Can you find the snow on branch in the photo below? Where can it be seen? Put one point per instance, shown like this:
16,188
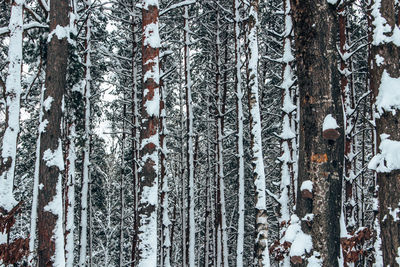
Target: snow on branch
180,4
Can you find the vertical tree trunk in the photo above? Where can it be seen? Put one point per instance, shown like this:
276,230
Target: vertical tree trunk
385,76
183,181
321,130
86,149
261,253
135,136
348,106
189,147
12,103
378,257
34,210
164,175
148,204
239,138
222,239
121,189
50,210
208,192
288,135
70,199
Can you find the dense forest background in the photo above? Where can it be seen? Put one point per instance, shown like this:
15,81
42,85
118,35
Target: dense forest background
199,133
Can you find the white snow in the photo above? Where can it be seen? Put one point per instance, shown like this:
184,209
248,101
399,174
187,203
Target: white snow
388,158
149,195
54,158
43,125
302,244
47,103
151,35
394,213
306,185
12,103
147,3
61,32
329,123
388,98
379,60
332,2
315,260
382,31
381,28
56,207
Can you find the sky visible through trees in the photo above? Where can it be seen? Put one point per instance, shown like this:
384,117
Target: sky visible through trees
200,133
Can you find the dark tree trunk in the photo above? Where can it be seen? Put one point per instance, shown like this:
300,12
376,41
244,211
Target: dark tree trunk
385,62
51,163
320,159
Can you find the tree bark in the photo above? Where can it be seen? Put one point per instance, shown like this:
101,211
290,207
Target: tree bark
239,138
148,203
50,210
189,147
12,102
320,158
261,253
385,55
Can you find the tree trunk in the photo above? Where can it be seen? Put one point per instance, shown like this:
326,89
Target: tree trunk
86,149
70,198
222,239
385,76
288,135
34,209
135,136
148,203
12,103
189,147
261,252
239,138
320,152
50,210
164,175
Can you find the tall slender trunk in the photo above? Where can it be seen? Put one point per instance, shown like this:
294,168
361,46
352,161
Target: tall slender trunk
261,257
321,132
148,204
385,76
12,99
378,257
222,239
288,135
239,138
189,147
348,106
208,192
164,175
50,210
34,210
183,181
135,135
121,189
86,149
70,198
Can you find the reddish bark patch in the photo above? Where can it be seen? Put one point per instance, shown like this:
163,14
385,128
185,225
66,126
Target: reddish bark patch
331,134
319,158
296,260
306,194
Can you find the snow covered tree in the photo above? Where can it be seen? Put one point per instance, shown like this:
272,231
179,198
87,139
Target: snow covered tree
50,203
384,83
318,202
149,135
